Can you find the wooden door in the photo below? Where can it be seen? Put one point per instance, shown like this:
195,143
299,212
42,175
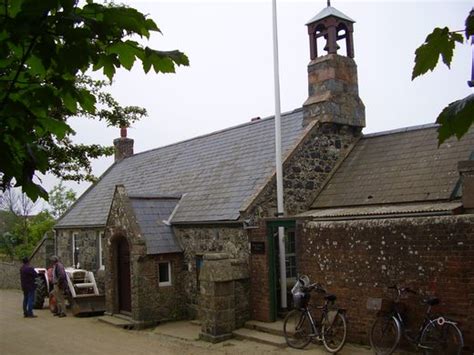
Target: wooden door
123,274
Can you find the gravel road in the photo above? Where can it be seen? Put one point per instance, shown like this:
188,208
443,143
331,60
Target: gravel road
50,335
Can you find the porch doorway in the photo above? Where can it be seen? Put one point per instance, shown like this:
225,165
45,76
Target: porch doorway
123,276
274,267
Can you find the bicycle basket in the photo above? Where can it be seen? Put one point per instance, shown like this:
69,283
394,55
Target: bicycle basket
300,299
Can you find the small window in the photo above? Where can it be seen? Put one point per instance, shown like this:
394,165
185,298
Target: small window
101,251
164,271
290,251
75,250
199,263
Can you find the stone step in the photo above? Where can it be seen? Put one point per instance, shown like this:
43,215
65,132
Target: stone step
259,337
275,328
120,322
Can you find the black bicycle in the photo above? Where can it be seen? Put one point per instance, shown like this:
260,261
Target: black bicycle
435,335
300,327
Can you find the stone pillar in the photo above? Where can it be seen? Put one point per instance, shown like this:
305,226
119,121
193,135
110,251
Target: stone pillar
333,92
217,302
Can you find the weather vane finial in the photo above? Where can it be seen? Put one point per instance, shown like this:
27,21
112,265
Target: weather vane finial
329,3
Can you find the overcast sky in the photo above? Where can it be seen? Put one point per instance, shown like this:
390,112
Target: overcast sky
230,77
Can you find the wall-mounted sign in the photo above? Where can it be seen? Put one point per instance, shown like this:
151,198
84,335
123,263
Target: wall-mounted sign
257,247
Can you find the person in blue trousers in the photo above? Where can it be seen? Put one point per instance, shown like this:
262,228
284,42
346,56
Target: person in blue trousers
28,285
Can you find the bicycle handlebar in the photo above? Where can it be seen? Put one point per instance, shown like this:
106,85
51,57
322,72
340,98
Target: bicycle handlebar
401,290
316,287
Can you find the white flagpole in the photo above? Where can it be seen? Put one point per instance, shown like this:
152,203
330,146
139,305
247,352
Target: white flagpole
279,171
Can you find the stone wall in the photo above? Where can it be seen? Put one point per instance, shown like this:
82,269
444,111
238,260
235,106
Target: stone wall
150,302
224,296
305,171
153,303
43,252
359,259
87,240
198,240
10,274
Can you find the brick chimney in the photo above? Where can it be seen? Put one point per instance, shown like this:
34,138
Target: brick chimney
123,145
466,172
332,78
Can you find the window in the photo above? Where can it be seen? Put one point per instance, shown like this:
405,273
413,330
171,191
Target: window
75,250
290,254
164,274
199,263
101,251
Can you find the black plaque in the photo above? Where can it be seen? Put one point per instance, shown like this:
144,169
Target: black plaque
257,247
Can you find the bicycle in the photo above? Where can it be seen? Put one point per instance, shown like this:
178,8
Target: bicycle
300,327
435,335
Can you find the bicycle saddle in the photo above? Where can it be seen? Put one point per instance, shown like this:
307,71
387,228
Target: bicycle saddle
432,301
330,298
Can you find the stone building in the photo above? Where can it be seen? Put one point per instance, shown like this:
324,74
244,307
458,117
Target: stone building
188,230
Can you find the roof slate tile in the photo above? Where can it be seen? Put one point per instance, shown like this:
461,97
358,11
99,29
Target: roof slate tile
218,172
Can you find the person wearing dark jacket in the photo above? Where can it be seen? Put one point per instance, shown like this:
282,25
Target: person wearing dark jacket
27,277
60,285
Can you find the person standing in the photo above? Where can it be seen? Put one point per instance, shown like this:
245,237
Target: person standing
60,284
28,285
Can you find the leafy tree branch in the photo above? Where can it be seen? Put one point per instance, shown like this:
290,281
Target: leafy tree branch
46,49
458,116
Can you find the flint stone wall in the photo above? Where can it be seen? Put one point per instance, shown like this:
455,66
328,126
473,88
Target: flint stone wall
305,171
87,240
10,275
196,241
356,260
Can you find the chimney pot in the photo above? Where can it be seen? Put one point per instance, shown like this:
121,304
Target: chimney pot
123,132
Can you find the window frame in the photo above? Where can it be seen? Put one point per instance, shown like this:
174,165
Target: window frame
165,283
75,235
101,251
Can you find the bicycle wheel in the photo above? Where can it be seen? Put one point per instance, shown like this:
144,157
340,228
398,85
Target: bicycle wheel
385,335
441,339
334,334
297,329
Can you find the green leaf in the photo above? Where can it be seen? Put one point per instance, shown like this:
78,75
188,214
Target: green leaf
108,64
34,191
456,118
127,19
470,25
87,100
56,127
70,102
36,65
126,52
440,42
151,25
14,7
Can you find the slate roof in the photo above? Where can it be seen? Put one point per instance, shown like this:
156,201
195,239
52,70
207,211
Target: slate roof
151,215
329,11
218,173
397,167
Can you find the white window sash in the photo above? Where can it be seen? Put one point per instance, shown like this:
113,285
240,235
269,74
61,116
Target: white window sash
165,283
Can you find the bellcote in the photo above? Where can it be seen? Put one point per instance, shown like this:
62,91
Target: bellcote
333,26
333,91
